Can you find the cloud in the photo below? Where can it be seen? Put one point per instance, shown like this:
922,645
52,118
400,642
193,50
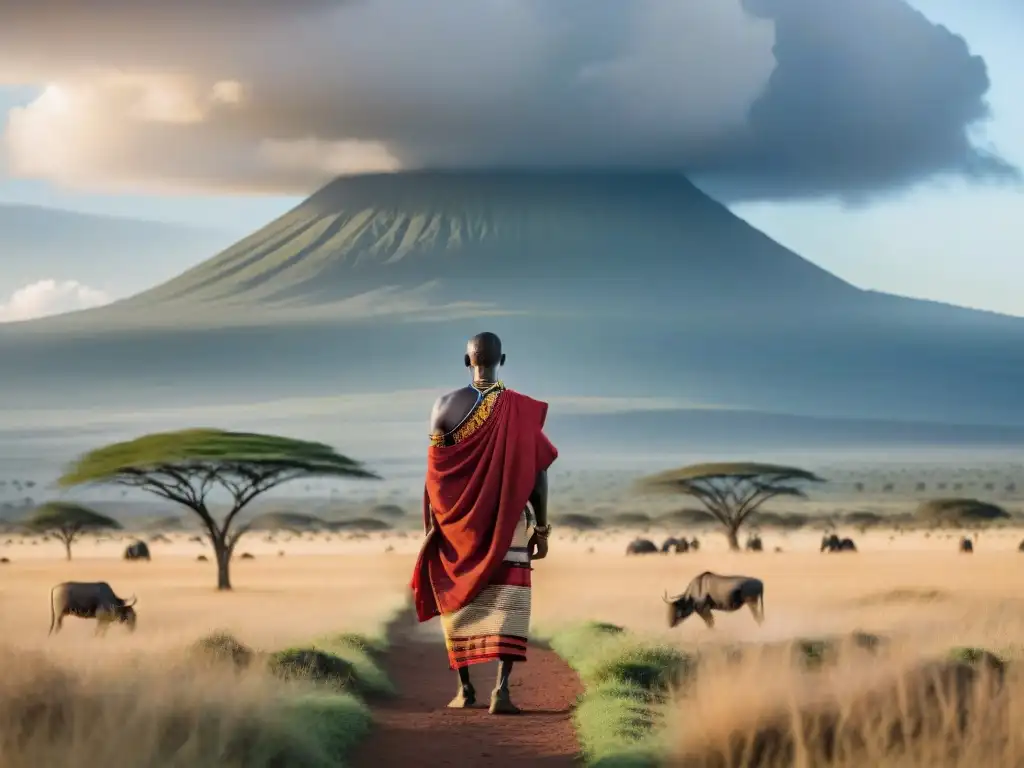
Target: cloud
763,98
50,297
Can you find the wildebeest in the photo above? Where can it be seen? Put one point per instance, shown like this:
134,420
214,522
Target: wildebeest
90,600
966,545
695,544
672,544
754,544
641,547
710,592
137,550
833,543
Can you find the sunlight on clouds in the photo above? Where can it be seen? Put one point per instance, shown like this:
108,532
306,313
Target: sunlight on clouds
335,158
50,297
97,132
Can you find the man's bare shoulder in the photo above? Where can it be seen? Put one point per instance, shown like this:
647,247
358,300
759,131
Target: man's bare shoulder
450,408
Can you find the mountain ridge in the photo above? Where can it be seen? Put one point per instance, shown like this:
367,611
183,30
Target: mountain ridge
43,242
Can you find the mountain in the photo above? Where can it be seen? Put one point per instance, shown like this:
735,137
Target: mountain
40,243
601,284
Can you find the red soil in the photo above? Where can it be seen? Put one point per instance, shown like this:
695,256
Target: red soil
417,729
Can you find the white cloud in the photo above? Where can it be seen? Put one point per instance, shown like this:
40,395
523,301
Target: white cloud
50,297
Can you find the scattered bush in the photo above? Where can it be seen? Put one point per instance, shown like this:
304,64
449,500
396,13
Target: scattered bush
782,520
631,519
222,648
578,522
863,519
361,524
313,665
960,512
294,522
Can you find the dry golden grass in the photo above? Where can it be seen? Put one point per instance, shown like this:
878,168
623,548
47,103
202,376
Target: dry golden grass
899,711
887,710
158,710
276,601
75,700
915,589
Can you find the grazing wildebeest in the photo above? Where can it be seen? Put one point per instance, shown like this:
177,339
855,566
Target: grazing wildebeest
672,544
137,550
641,547
833,543
754,544
90,600
710,592
695,544
966,545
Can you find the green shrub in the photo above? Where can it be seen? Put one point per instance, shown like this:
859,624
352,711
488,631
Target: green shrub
315,666
626,685
222,648
362,654
977,657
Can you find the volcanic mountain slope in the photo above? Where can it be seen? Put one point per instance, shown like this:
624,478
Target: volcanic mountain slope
602,285
523,240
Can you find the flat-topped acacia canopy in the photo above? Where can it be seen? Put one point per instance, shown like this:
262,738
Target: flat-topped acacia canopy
739,470
67,514
206,449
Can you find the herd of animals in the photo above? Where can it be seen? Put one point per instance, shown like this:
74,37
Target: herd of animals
707,592
829,543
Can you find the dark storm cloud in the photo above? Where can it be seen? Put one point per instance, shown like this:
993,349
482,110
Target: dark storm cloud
864,96
767,99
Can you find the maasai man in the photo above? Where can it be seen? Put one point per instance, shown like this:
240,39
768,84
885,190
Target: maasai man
485,516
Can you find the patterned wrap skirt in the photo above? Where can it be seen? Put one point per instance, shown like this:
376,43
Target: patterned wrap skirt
497,622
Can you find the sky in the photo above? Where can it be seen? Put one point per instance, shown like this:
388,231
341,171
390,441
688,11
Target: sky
861,135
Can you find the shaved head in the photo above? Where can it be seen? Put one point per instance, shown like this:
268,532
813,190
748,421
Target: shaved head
484,351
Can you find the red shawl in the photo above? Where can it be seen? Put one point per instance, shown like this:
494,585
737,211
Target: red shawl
476,491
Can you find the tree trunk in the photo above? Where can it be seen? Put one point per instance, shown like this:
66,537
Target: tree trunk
223,555
733,534
67,548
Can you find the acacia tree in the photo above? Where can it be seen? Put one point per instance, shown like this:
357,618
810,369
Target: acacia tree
187,466
67,521
731,492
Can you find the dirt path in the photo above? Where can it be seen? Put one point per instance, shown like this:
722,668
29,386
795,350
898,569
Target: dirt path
417,729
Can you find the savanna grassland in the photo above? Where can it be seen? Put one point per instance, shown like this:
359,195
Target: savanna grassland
150,698
799,690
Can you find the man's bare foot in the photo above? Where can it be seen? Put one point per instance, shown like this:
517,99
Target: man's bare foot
501,703
466,697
